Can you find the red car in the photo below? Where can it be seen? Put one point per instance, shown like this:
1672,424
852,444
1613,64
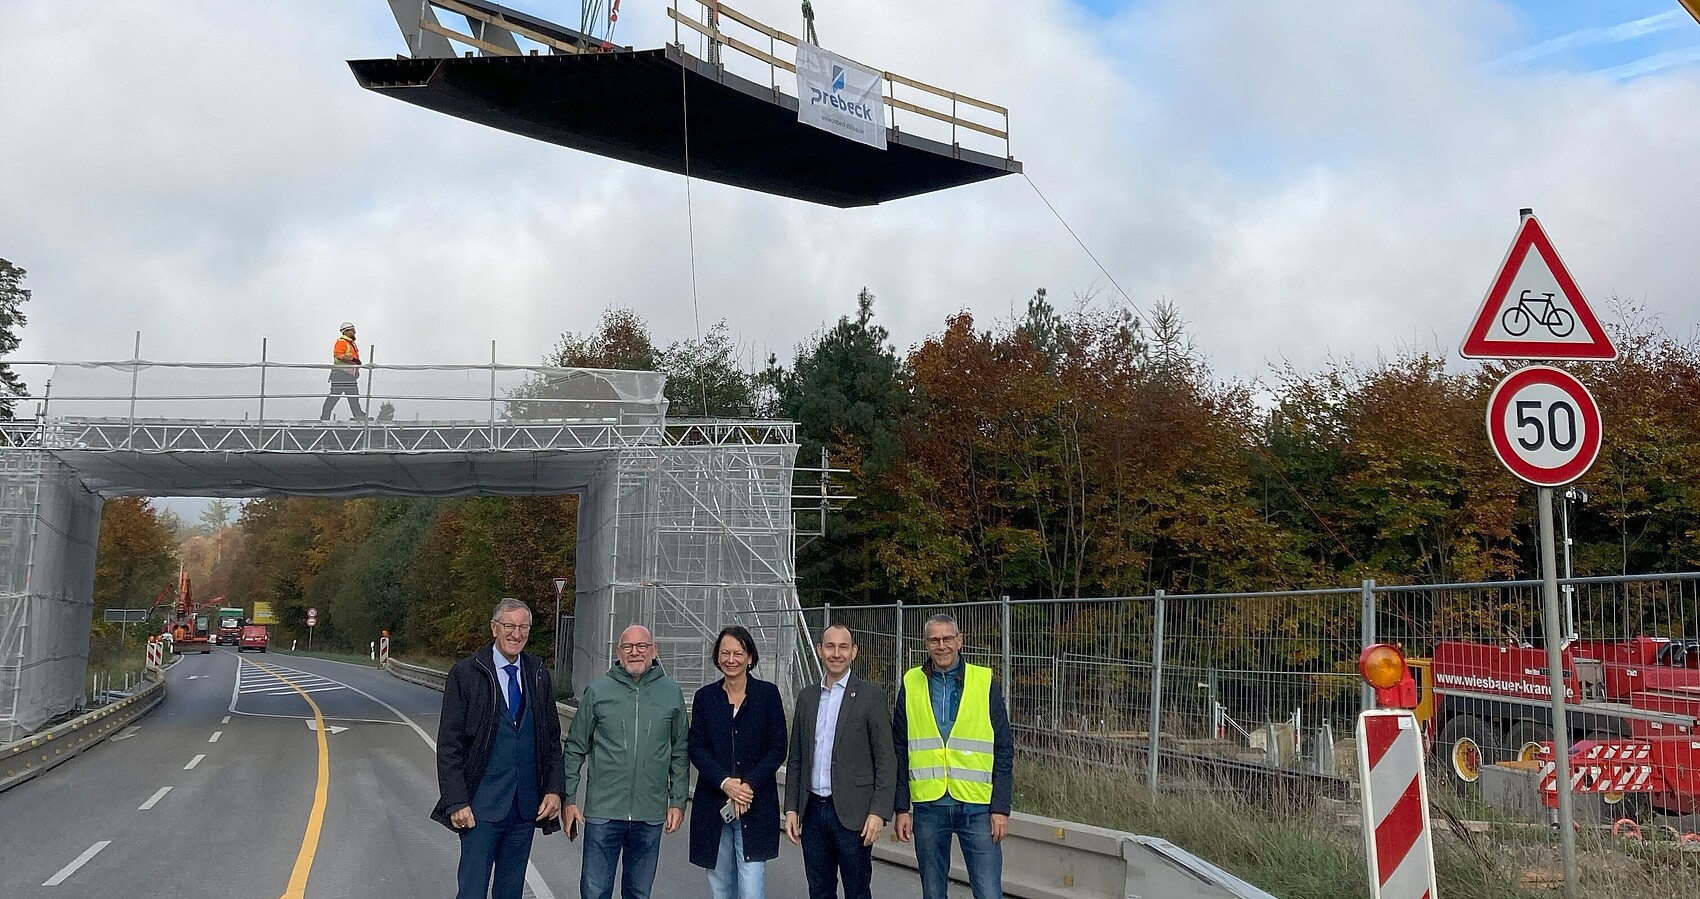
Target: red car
254,636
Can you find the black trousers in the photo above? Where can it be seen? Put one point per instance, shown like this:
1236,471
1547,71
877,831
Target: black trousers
831,850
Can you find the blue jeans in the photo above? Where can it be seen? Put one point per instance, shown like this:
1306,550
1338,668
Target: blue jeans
732,877
972,827
504,846
830,849
633,846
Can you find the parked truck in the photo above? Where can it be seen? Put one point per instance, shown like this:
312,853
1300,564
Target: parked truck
1486,702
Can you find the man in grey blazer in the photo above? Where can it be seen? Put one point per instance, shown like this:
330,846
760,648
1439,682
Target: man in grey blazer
840,773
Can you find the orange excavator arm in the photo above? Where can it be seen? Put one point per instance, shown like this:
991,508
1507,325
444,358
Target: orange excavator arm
1693,7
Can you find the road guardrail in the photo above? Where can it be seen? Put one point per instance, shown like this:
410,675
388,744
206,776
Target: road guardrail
1043,858
24,759
417,674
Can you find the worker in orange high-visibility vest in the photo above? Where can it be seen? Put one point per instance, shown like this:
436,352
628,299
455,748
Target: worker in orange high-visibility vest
345,374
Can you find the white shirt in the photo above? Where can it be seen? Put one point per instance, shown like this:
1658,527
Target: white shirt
502,676
826,732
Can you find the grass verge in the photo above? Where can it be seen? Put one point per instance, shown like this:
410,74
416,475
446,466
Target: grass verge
356,658
1314,850
1292,852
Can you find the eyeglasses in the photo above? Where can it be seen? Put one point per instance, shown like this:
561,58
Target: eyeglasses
636,647
943,641
513,628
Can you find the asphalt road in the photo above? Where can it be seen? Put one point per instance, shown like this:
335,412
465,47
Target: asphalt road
213,794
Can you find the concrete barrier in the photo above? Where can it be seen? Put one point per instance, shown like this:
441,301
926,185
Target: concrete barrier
1043,858
29,757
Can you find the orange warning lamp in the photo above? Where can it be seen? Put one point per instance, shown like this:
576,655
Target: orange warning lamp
1383,667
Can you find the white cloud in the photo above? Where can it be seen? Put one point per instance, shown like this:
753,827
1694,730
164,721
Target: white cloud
1608,34
1301,179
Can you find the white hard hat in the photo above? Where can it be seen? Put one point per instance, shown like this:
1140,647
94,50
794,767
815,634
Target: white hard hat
345,326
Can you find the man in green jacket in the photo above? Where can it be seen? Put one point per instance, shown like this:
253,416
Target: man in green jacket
632,728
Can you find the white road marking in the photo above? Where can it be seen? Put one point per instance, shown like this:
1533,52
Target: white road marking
215,736
127,733
535,881
80,861
154,799
194,761
226,720
329,728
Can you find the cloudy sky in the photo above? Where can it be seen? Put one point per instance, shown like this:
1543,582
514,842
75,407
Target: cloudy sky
1303,180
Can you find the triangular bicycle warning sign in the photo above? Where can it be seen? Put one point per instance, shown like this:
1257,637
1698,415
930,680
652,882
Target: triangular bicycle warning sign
1534,310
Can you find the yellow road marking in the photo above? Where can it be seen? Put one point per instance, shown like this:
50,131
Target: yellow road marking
321,795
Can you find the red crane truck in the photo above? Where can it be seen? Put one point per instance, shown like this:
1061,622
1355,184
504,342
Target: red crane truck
1640,698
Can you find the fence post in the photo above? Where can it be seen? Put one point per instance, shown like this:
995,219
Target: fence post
1367,636
1006,654
135,373
825,616
1056,692
1218,728
897,651
260,420
1156,691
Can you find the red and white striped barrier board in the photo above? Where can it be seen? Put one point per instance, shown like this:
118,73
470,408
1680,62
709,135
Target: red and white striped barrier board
156,655
1604,766
384,650
1395,806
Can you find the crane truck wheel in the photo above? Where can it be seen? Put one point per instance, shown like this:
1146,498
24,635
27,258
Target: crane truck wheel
1466,743
1524,742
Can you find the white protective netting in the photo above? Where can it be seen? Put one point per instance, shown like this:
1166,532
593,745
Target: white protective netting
699,537
683,538
416,393
49,530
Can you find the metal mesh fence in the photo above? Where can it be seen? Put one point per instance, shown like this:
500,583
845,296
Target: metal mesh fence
1267,678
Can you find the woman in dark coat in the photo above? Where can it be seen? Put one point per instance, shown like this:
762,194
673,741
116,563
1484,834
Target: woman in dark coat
737,745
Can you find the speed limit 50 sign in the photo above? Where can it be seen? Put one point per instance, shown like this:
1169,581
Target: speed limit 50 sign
1544,425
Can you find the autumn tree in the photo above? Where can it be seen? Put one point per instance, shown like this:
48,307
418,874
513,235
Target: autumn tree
136,558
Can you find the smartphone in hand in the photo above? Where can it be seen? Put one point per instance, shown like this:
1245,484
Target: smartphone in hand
728,812
572,829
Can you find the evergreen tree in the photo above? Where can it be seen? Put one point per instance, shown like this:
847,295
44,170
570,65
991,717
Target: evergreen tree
12,298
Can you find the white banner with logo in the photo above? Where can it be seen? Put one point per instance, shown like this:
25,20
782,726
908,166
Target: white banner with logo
837,95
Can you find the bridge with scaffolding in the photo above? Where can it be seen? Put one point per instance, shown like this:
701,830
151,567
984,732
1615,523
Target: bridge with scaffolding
684,525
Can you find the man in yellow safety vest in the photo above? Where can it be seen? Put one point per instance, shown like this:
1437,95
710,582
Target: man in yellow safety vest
956,754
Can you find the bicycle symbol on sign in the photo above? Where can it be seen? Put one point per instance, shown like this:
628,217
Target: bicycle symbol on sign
1559,322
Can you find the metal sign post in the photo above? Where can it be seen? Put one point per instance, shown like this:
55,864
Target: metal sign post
560,585
312,621
124,617
1555,677
1545,427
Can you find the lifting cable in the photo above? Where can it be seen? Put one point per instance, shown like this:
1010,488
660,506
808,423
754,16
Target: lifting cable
690,223
1251,440
1089,253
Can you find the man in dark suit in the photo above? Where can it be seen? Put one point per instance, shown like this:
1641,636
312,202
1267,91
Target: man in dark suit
499,767
841,773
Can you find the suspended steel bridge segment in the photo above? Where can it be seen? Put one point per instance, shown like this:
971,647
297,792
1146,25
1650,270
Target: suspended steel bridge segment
729,116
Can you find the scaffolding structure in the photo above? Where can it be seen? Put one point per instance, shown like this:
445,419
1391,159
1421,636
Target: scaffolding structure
685,527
